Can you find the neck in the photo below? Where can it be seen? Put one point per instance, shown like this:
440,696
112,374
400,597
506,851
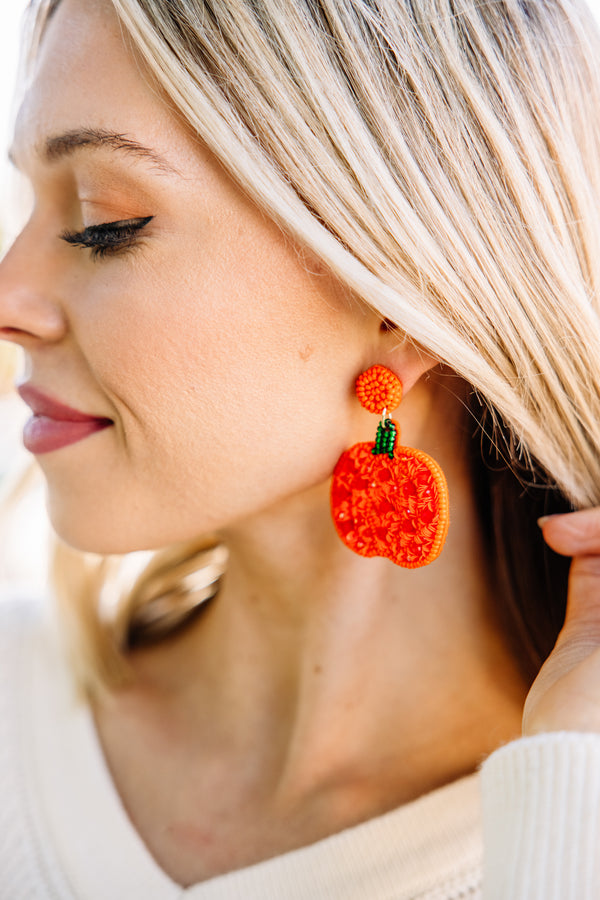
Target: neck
324,669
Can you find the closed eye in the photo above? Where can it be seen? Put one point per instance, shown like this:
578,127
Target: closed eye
108,238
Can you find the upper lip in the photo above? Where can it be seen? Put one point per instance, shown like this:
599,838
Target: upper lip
42,405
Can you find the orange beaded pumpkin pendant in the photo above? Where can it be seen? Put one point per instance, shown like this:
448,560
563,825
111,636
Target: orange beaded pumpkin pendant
388,500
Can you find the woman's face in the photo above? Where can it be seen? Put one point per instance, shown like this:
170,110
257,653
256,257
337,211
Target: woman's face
219,361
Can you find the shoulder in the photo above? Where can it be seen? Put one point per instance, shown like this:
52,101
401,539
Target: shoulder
16,606
28,658
22,620
33,655
28,655
24,626
20,617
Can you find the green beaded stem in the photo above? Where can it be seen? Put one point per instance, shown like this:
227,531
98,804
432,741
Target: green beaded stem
385,440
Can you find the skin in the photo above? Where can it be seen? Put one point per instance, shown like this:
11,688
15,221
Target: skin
320,688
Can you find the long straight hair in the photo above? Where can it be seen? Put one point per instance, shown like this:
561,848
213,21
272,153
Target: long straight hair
442,158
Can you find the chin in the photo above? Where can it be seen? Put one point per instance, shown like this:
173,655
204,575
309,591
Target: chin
93,534
96,543
107,532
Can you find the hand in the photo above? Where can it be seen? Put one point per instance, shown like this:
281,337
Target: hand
566,694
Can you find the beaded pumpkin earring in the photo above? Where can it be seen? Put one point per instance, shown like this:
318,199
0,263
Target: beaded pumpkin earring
388,500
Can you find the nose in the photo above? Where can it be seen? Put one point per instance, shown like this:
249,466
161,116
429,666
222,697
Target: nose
30,313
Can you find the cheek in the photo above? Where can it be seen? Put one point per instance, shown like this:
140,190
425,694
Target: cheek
243,330
231,389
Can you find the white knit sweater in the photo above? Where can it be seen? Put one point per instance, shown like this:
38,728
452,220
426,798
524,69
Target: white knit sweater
64,834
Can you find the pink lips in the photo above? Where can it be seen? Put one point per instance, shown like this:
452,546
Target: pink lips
54,425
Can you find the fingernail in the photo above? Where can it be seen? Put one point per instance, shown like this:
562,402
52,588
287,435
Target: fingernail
543,519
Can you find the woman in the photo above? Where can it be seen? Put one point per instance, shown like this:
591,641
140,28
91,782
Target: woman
241,207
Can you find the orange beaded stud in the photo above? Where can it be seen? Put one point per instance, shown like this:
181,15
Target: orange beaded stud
378,389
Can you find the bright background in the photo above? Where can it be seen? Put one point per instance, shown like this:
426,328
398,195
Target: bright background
11,12
23,532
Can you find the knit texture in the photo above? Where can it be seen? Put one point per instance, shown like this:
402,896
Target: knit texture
27,872
541,813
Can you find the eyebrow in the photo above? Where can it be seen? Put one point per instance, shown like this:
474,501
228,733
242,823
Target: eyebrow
69,142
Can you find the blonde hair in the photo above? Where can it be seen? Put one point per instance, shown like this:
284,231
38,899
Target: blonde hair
442,158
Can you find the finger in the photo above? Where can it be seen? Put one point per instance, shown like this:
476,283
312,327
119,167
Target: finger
583,604
573,534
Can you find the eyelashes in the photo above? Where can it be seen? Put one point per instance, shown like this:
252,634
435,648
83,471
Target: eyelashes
108,238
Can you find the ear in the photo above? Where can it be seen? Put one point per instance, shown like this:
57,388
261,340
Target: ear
407,359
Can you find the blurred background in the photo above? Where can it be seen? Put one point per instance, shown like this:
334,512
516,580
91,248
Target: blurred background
23,529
